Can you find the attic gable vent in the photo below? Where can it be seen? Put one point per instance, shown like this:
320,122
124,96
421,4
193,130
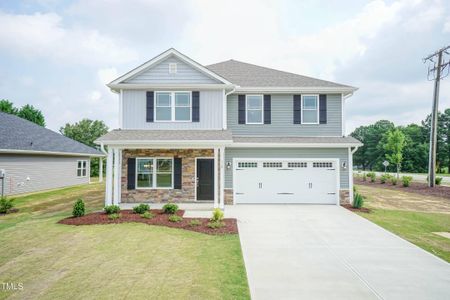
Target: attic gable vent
172,68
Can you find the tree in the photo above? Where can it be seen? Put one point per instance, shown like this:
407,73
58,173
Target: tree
394,143
30,113
415,152
442,143
86,131
7,107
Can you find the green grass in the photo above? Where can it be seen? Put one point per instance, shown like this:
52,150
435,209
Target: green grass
118,261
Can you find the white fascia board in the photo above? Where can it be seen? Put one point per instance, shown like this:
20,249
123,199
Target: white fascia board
290,90
9,151
167,144
290,145
162,56
141,86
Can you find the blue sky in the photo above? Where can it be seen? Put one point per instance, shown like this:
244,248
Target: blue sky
58,55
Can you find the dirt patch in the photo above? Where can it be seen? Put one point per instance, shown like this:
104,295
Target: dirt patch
160,219
351,208
415,187
10,211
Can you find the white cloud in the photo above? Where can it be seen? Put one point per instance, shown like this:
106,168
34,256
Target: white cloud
106,75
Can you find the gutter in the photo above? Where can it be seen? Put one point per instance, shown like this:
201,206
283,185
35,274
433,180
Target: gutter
102,148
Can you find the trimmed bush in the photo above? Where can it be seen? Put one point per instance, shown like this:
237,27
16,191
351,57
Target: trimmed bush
358,200
393,180
147,215
384,178
215,225
406,180
78,208
114,216
112,209
141,208
170,208
364,177
217,215
195,222
175,218
5,205
438,180
372,176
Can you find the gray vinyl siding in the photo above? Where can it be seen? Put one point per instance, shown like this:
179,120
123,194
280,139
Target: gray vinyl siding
44,172
339,153
134,112
282,119
159,73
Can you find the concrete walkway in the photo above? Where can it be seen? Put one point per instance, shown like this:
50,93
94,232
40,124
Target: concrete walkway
327,252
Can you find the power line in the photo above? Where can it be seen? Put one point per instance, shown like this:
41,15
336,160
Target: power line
438,68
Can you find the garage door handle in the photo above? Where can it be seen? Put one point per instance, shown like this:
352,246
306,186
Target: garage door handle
285,193
239,193
331,193
285,169
331,169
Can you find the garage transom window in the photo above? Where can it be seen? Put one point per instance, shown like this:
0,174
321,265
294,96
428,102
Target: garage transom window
272,164
322,165
299,164
81,168
154,173
247,165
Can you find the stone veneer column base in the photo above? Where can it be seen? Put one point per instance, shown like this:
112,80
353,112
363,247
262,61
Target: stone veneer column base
344,197
228,196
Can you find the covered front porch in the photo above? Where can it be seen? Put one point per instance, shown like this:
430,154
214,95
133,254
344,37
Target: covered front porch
189,171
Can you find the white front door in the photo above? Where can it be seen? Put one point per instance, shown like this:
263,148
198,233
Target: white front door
286,181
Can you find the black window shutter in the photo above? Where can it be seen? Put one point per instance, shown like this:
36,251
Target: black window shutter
241,104
267,109
323,109
297,109
150,105
195,106
177,165
131,173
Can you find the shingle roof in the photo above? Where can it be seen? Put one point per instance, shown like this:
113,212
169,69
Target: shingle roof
17,134
166,135
249,75
297,140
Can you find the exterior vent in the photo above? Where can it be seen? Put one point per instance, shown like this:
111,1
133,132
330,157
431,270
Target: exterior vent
172,68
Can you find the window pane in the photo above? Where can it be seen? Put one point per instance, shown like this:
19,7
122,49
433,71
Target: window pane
79,164
163,114
79,172
145,165
182,113
84,164
84,172
310,116
254,116
164,165
254,102
145,180
163,99
310,102
163,180
182,99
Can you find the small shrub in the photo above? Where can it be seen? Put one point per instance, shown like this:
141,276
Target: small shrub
147,215
364,177
114,216
217,215
112,209
438,180
372,176
358,200
384,178
78,208
393,180
406,180
175,218
141,208
170,208
5,205
215,224
195,222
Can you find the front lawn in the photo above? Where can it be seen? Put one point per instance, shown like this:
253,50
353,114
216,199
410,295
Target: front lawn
131,260
398,213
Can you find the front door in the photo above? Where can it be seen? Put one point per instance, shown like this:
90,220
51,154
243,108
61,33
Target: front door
205,179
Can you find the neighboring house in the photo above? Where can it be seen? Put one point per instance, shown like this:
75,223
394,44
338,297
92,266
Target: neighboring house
34,158
230,133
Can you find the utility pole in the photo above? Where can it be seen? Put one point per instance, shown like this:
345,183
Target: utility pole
437,70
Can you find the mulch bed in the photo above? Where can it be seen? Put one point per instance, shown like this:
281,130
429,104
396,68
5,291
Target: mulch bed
415,187
362,209
160,219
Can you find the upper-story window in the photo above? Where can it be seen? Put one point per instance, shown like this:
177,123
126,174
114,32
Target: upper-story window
173,107
254,109
310,109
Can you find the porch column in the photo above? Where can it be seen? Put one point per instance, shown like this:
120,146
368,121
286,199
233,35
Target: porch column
100,170
350,175
109,177
222,178
116,177
216,178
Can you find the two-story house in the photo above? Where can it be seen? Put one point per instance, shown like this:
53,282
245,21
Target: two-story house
227,133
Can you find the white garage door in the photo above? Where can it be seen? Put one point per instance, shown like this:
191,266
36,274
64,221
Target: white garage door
286,181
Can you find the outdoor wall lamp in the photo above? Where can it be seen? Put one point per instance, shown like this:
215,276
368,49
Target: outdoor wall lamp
228,165
344,165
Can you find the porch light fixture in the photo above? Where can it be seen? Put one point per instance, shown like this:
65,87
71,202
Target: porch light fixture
228,165
344,165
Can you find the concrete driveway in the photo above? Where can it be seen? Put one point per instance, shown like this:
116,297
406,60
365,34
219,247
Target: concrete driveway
327,252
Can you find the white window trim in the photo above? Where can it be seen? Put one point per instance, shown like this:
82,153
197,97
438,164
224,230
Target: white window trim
317,107
154,172
85,168
172,107
262,110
